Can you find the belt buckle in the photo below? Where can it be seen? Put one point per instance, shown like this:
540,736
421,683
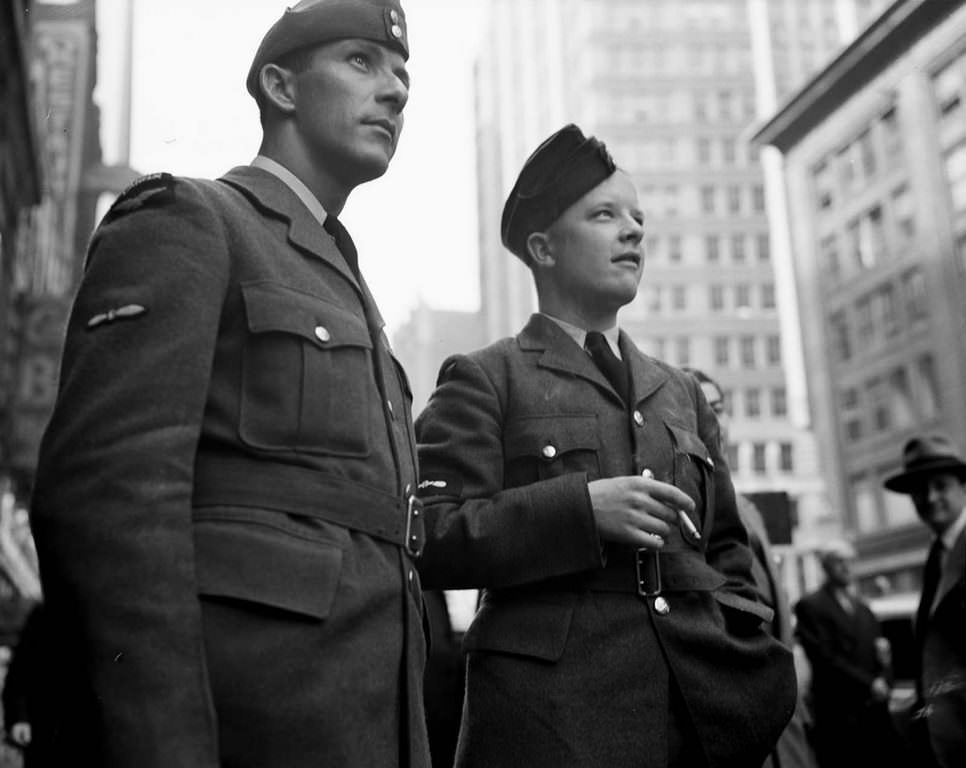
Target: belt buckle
415,531
647,563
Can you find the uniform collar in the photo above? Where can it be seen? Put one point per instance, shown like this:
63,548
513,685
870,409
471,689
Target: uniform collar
579,334
294,183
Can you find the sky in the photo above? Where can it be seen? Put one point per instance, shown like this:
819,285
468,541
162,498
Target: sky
415,228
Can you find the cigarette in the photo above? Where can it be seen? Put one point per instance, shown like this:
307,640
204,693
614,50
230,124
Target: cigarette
688,525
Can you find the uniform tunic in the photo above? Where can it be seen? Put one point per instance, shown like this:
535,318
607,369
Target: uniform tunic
220,506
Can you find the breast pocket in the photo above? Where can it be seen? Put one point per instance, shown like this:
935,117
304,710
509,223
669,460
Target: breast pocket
544,447
307,378
693,470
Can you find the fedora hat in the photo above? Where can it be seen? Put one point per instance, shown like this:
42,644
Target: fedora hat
923,456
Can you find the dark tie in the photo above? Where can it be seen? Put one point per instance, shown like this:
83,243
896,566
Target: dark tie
610,365
930,583
343,241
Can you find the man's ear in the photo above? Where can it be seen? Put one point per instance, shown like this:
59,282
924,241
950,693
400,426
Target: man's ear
278,87
540,250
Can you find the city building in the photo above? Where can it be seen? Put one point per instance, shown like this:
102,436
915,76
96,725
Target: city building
874,155
674,88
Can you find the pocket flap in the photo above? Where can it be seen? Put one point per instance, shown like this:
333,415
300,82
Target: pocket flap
265,565
550,436
688,442
528,627
274,307
740,603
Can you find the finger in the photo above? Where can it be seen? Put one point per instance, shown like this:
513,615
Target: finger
639,538
654,525
668,494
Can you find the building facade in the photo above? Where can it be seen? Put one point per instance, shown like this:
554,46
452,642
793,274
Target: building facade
674,87
874,151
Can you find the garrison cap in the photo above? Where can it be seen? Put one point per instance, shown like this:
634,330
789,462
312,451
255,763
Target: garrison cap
560,171
313,22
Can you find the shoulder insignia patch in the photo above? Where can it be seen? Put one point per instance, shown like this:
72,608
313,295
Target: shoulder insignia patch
155,187
126,312
439,486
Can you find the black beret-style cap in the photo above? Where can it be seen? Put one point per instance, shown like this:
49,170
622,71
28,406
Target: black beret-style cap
560,171
313,22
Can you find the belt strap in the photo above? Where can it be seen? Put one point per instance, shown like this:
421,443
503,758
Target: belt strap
244,482
646,572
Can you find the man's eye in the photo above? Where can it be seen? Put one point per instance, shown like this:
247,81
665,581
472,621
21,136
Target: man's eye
360,60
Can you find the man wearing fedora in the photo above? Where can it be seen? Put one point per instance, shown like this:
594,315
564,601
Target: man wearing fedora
934,476
581,484
224,505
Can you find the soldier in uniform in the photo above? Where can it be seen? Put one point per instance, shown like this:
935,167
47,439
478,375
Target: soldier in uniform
223,506
581,484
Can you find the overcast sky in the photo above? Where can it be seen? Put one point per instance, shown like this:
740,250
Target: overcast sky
191,115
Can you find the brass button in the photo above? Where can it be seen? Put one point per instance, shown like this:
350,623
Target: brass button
389,406
549,451
322,333
393,16
638,418
661,606
410,576
396,30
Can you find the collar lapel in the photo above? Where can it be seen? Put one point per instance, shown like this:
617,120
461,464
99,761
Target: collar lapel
646,377
953,566
271,194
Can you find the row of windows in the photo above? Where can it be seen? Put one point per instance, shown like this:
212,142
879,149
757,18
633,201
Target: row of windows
878,316
643,156
745,352
741,297
882,231
673,59
899,397
755,402
737,248
754,458
732,199
840,174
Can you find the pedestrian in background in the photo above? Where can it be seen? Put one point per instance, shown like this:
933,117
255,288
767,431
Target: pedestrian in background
793,749
934,476
581,484
850,687
223,506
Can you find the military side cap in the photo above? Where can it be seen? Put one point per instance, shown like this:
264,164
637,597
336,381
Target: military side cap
924,456
314,22
560,171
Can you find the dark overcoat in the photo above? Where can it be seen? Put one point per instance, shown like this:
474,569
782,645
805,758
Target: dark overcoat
942,644
567,664
220,505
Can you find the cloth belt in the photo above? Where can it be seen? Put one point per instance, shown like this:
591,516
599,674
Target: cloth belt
649,572
243,482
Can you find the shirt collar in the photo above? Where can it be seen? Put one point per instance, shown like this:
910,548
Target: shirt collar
294,183
953,531
579,334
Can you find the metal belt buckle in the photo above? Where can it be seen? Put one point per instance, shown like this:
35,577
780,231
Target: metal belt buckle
647,563
415,531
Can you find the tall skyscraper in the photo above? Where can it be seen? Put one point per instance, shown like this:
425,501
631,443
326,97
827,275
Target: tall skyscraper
674,87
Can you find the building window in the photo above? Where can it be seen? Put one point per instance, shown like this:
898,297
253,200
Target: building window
891,137
742,296
764,247
725,100
674,249
768,296
878,399
734,199
679,298
824,185
752,403
865,325
885,311
758,198
747,347
927,388
948,84
841,338
671,200
654,294
733,458
722,351
712,246
738,248
867,154
956,175
828,249
779,402
758,465
904,213
716,292
652,244
900,398
786,457
914,295
704,151
659,348
707,199
683,351
773,347
729,153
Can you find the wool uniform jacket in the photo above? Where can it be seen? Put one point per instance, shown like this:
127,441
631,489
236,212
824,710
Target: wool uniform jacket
567,664
221,498
942,643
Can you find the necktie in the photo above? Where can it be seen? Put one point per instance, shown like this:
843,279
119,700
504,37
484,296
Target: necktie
930,583
343,241
608,363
